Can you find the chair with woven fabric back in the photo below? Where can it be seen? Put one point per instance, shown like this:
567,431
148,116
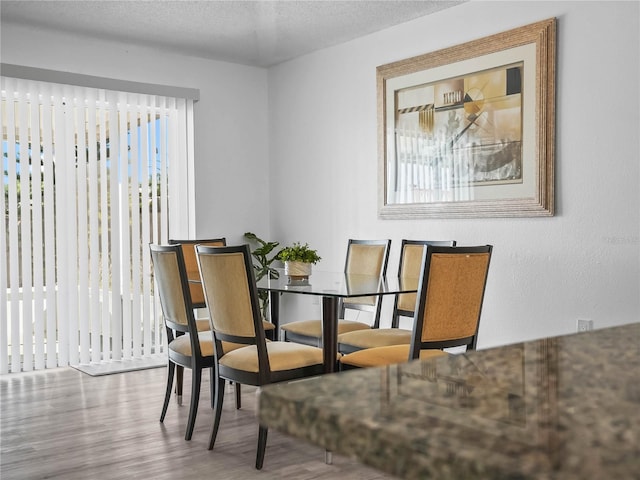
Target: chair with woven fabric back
231,296
404,304
193,274
197,296
195,289
187,346
451,290
364,257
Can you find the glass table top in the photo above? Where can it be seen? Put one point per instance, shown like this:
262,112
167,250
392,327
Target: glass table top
339,284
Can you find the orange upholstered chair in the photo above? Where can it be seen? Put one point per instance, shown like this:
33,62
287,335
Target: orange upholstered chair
450,296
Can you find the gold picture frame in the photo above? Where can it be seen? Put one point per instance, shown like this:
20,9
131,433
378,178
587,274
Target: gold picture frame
469,130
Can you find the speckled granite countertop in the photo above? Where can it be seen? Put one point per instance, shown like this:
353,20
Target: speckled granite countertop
558,408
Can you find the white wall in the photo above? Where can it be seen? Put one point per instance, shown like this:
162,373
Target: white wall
546,272
231,143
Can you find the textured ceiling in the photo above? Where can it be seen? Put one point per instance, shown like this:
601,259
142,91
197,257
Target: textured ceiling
261,33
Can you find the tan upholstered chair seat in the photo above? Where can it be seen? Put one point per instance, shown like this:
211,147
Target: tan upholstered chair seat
379,337
282,356
182,345
375,357
313,328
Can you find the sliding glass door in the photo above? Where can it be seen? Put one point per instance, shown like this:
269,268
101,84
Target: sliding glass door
89,180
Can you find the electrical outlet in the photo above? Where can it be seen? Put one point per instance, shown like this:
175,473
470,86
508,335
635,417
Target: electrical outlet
585,325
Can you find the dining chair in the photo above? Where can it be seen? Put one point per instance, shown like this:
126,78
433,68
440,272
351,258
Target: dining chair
193,274
197,298
234,312
364,257
197,294
451,290
187,346
404,304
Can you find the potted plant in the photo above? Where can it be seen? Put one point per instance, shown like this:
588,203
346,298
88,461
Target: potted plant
264,256
298,259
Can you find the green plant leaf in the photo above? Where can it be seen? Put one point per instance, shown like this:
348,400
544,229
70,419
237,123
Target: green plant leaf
299,253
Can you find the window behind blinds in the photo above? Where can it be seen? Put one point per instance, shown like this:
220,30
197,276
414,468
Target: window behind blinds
89,179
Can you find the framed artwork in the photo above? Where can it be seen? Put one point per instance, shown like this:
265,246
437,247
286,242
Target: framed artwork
469,131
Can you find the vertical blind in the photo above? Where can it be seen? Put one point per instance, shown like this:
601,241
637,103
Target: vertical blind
87,179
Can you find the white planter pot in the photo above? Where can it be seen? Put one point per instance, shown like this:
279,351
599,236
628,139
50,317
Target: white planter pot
297,270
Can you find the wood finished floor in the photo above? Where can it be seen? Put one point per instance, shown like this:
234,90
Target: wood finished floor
64,424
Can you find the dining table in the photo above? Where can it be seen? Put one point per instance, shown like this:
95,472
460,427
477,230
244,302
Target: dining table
557,408
333,288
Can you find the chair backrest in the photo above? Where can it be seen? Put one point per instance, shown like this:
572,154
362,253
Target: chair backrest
191,265
231,296
450,295
366,257
409,267
173,290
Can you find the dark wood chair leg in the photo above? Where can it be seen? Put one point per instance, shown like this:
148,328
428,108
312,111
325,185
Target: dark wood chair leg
179,376
167,396
262,446
217,412
238,396
196,377
212,384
